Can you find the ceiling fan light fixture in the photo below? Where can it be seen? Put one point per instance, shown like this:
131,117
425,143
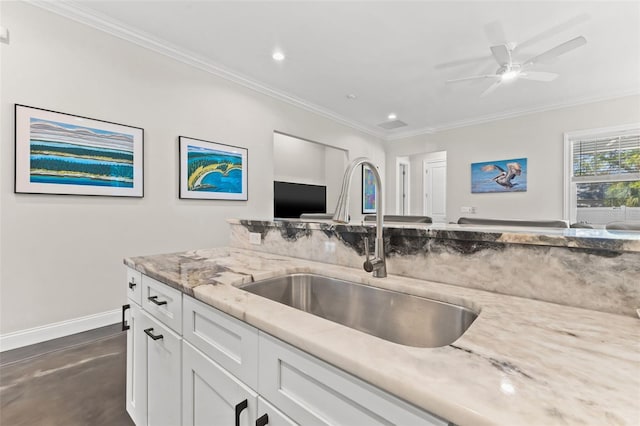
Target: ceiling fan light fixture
509,75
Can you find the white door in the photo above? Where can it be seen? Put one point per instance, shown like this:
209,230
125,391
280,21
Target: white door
435,190
163,372
402,190
136,368
212,396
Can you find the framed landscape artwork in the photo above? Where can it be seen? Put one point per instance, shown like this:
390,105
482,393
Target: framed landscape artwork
212,171
499,176
59,153
368,190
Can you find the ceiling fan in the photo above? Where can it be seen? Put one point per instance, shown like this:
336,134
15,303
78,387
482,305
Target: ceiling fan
510,69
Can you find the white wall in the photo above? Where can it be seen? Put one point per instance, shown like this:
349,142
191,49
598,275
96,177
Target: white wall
297,160
537,137
62,255
301,161
335,159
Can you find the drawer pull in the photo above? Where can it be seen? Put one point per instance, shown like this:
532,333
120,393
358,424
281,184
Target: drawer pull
154,299
262,420
125,326
132,284
149,332
239,407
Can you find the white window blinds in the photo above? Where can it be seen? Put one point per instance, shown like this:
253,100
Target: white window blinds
607,158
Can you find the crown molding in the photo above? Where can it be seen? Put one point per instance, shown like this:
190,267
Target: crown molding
75,11
511,114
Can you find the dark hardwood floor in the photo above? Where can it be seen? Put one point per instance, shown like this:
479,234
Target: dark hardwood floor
75,380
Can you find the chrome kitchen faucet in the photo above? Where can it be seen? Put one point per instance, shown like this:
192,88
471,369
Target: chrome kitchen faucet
378,264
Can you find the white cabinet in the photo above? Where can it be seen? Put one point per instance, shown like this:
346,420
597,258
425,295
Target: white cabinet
136,368
163,302
211,395
162,348
193,365
231,343
312,392
270,415
134,286
154,355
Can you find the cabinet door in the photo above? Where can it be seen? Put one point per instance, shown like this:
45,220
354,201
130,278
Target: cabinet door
136,368
313,392
163,358
211,395
274,417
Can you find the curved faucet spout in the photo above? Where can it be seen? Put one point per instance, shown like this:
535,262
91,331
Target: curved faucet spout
378,263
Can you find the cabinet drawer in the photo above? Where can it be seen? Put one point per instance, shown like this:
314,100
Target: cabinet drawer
134,286
228,341
313,392
163,303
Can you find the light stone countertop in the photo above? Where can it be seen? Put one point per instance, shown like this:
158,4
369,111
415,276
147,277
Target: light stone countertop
522,362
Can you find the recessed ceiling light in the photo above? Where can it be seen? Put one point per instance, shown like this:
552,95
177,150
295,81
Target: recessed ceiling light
278,56
351,96
392,116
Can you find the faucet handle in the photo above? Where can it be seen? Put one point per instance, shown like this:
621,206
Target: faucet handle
367,265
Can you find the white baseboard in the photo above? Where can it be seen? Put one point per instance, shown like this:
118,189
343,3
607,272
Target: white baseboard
18,339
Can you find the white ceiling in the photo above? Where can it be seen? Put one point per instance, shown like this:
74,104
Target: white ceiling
389,53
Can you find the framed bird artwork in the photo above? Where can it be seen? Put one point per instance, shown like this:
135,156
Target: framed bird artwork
499,176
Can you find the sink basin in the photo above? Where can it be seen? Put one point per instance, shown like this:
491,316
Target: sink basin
396,317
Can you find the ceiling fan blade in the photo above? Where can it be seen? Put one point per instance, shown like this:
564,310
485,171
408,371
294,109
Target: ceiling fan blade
495,33
474,77
491,88
538,76
560,49
576,20
465,61
501,54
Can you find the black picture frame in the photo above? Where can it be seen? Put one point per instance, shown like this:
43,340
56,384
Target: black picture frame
65,154
222,172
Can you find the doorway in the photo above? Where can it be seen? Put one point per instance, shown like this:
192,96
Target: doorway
434,175
403,186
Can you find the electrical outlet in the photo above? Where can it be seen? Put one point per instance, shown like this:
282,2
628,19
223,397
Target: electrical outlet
467,209
255,238
329,247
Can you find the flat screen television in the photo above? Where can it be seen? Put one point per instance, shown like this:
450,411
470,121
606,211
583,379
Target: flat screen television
290,199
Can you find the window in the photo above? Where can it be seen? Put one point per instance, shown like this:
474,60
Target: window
602,175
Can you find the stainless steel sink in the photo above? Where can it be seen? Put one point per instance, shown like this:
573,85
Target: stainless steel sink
396,317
